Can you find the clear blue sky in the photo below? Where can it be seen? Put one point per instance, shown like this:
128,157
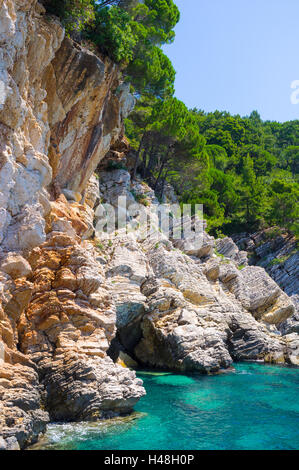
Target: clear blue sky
237,56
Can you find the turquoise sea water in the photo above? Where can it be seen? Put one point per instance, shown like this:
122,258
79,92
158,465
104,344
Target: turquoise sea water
255,407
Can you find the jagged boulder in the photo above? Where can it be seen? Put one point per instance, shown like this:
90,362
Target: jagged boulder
21,418
227,247
126,271
67,330
276,251
291,325
15,266
80,388
250,340
193,323
201,246
292,341
260,295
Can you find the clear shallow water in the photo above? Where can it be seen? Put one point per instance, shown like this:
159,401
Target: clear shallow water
257,407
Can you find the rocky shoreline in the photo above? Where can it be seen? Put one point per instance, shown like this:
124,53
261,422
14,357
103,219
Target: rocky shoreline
191,311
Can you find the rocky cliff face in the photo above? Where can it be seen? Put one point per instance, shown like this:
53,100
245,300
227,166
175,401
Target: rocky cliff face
61,108
189,309
74,309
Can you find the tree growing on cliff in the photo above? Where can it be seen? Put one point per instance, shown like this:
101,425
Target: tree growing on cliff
111,31
125,4
74,14
170,142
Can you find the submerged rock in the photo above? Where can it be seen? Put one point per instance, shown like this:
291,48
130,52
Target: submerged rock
61,436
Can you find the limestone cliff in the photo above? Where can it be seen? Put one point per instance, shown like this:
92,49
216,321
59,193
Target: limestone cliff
74,309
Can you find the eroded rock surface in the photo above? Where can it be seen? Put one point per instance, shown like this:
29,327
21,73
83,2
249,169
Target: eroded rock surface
277,252
201,309
59,115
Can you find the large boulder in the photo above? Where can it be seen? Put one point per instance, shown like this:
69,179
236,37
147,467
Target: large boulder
80,388
15,266
199,245
194,323
261,296
126,271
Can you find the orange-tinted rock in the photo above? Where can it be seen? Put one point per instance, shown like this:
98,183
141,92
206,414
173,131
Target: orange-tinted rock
58,117
82,132
73,216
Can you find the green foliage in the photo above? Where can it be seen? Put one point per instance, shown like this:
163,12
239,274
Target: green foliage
128,31
169,118
284,209
219,234
112,33
151,73
263,161
243,170
131,34
116,166
279,261
275,262
290,159
273,233
140,198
